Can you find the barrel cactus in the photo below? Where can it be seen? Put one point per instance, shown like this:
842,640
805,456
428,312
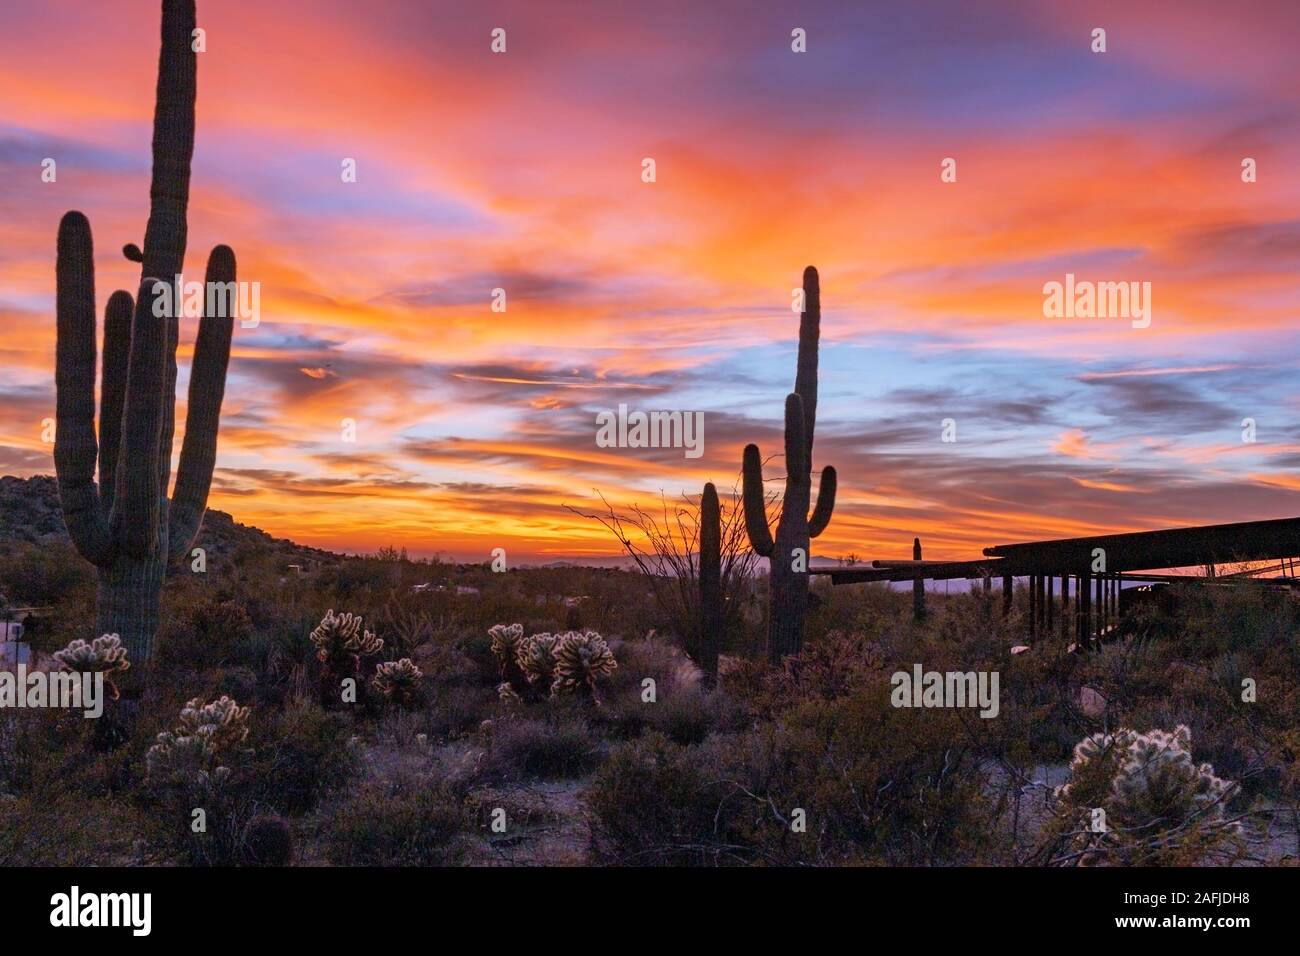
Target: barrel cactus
125,523
788,551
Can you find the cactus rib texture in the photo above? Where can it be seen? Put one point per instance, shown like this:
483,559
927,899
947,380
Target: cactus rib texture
788,551
125,523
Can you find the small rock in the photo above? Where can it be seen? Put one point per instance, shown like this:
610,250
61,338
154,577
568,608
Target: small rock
1091,702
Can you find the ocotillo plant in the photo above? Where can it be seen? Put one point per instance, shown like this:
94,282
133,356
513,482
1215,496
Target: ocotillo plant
711,611
788,554
125,524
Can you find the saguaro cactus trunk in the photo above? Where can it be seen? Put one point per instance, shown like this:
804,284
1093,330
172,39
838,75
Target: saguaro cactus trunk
788,553
712,615
124,523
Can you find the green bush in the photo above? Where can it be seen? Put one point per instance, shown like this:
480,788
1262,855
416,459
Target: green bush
403,822
555,747
300,754
874,784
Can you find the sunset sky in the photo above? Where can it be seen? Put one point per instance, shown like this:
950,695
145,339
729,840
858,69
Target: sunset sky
522,171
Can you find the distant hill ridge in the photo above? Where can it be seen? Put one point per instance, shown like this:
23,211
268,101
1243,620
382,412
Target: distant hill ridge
30,512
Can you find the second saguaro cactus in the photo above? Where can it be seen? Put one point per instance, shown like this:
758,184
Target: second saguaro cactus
787,553
125,524
712,614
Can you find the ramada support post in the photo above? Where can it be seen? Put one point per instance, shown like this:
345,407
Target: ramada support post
918,585
1051,584
1084,635
1065,607
1101,605
1033,607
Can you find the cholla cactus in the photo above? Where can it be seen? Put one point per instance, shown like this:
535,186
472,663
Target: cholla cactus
205,733
507,694
535,656
580,658
104,655
399,682
505,643
222,722
340,638
1149,787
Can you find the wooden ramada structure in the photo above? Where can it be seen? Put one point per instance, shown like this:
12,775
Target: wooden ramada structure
1097,593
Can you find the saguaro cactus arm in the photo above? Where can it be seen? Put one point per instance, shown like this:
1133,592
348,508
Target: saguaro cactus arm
805,379
796,443
207,389
134,518
75,447
755,500
821,515
112,396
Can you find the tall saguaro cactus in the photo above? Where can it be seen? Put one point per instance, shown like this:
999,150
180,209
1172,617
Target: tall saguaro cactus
125,524
787,554
712,615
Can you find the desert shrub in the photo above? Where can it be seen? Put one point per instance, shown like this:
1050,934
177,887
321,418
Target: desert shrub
1214,621
1158,805
455,709
54,828
212,633
1129,669
301,754
268,841
556,747
827,668
688,715
44,574
654,805
875,784
407,821
651,657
